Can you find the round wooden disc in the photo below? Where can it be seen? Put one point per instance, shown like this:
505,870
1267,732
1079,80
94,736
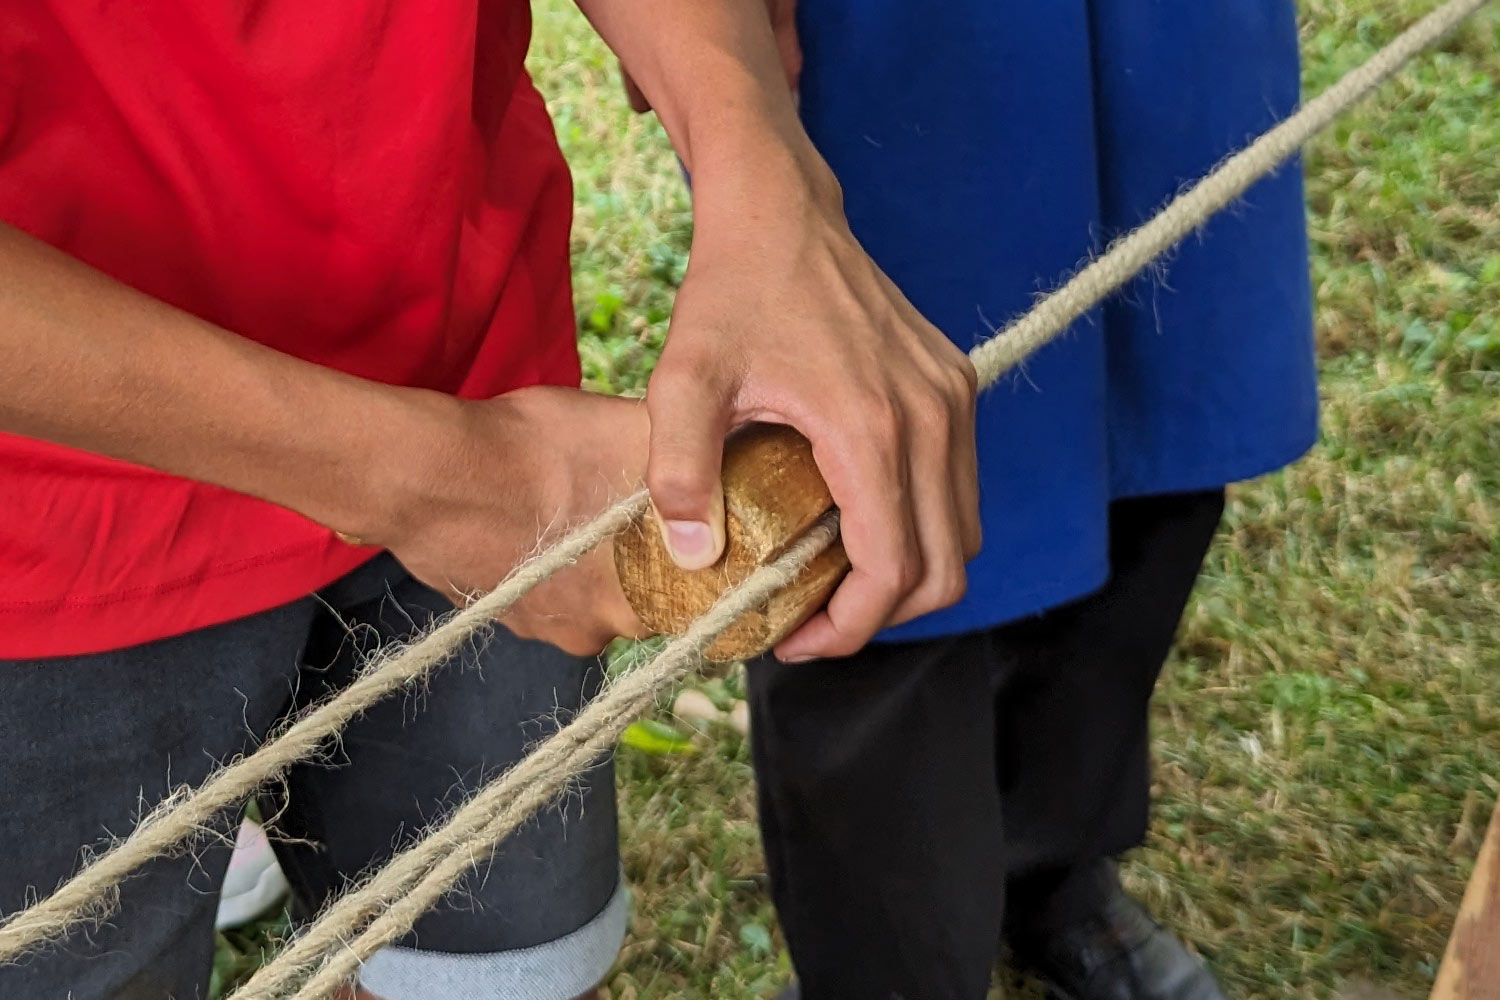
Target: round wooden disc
773,494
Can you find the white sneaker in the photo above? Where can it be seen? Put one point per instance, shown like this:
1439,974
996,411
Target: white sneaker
254,882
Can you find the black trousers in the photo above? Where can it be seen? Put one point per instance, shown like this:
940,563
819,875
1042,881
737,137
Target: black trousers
901,789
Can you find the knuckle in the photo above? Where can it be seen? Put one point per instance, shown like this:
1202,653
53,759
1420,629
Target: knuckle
794,63
932,413
939,591
880,416
667,384
952,586
963,380
677,485
906,574
973,542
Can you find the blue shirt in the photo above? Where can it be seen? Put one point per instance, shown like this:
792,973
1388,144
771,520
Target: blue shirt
985,148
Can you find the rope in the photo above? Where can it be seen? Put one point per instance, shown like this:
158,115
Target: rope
180,818
418,877
1127,256
89,894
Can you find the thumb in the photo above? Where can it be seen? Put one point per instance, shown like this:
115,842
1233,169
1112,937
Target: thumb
691,408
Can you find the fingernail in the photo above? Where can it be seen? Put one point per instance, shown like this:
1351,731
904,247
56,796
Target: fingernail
797,658
691,544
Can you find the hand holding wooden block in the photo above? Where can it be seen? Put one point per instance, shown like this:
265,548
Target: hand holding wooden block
773,493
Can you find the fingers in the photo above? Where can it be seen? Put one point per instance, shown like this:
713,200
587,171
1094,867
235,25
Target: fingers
963,389
966,488
862,457
580,611
935,512
691,405
570,641
908,531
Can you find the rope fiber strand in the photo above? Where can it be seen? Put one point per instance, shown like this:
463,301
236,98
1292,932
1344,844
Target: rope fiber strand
419,876
387,904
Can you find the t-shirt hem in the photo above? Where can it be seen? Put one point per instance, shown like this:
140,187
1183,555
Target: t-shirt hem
1236,468
217,594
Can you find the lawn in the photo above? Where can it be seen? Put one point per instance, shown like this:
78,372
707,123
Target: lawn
1328,733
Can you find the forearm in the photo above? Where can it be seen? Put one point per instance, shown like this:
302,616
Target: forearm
93,364
711,70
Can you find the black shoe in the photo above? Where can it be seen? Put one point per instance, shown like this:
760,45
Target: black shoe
1114,952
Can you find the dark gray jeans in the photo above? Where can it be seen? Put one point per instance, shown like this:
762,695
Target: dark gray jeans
86,742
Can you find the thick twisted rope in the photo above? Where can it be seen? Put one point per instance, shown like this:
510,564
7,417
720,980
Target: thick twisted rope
180,818
1191,209
419,876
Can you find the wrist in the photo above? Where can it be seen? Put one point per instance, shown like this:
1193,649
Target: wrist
517,462
765,168
411,444
753,182
745,141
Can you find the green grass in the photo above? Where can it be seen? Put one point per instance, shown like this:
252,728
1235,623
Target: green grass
1328,734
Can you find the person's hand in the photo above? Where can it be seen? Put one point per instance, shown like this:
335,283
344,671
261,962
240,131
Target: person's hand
782,317
500,474
783,15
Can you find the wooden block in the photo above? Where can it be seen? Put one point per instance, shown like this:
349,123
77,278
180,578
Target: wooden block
1471,965
773,494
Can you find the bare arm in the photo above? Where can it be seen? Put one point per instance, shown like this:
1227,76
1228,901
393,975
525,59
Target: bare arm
712,72
96,365
457,490
783,317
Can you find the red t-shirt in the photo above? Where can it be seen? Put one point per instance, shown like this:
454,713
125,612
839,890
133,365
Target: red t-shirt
372,185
